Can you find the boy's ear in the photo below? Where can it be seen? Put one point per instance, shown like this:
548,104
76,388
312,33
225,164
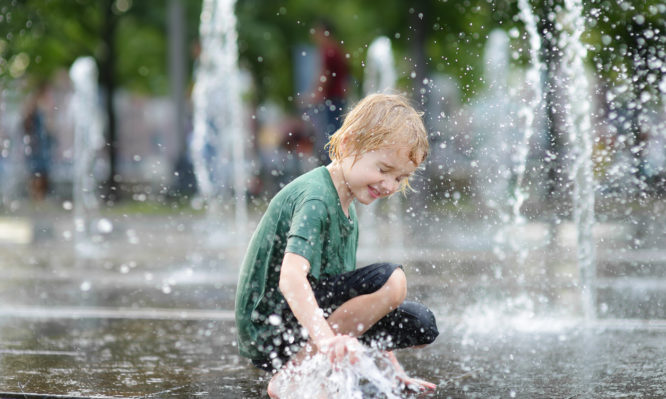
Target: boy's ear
345,145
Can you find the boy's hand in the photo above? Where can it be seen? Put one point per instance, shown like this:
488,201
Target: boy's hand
339,346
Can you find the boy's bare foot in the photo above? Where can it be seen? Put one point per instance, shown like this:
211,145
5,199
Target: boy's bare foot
272,386
414,384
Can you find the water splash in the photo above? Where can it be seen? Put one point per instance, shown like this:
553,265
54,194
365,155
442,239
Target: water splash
636,104
526,121
499,142
519,314
12,169
526,114
379,74
88,140
371,376
581,136
218,151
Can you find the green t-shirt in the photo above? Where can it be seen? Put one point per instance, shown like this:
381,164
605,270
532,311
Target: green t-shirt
304,218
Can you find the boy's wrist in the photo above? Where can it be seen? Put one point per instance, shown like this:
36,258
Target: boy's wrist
322,338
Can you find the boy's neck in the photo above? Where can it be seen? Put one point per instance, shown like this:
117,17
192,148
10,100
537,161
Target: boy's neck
341,186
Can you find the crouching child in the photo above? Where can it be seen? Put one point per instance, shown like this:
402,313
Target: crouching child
299,291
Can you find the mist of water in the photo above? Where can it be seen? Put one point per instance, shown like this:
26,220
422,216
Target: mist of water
527,113
12,168
379,73
88,140
218,142
371,376
580,129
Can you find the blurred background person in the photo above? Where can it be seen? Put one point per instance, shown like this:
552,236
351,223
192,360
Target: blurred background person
38,142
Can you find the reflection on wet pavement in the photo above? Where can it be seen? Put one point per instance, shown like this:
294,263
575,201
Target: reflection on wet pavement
156,321
175,358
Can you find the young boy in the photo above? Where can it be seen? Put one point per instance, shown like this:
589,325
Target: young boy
299,285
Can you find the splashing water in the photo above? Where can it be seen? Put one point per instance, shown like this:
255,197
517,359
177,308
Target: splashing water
11,166
577,121
88,140
526,122
218,152
526,114
371,376
636,102
581,134
379,73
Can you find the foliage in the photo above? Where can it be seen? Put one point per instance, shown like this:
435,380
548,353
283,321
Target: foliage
628,41
453,36
39,37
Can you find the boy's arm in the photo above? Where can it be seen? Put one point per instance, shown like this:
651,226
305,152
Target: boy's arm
296,289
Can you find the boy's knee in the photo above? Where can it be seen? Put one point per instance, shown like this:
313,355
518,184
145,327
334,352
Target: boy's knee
419,325
397,287
426,327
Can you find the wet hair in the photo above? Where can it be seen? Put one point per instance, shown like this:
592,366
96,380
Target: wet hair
379,121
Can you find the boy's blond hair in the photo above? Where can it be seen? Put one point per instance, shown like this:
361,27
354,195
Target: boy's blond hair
379,121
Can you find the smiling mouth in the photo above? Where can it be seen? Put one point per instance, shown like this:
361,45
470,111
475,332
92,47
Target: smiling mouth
374,193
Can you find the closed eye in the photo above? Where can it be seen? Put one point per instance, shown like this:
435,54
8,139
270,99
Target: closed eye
383,168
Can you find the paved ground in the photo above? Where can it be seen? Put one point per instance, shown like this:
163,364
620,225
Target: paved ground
145,310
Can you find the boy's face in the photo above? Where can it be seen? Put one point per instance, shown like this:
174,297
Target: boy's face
378,173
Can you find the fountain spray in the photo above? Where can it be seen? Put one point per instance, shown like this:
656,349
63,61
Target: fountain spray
581,135
88,140
218,152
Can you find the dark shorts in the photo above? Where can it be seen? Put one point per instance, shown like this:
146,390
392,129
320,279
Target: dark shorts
411,324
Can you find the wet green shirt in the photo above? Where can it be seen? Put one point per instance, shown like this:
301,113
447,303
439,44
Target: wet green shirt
304,218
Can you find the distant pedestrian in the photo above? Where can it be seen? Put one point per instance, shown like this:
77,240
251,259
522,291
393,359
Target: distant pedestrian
38,143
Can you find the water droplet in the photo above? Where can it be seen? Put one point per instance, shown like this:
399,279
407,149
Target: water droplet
104,226
274,319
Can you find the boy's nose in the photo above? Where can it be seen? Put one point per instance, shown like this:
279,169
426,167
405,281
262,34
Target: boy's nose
389,187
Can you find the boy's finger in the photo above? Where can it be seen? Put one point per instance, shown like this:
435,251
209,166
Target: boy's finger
353,358
334,353
339,351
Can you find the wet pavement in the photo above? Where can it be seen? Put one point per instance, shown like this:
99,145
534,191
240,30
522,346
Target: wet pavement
149,314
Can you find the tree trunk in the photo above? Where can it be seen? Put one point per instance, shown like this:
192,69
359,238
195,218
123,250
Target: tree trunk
550,54
107,78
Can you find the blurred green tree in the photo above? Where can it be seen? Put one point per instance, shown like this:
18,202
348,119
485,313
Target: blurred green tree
127,39
427,36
